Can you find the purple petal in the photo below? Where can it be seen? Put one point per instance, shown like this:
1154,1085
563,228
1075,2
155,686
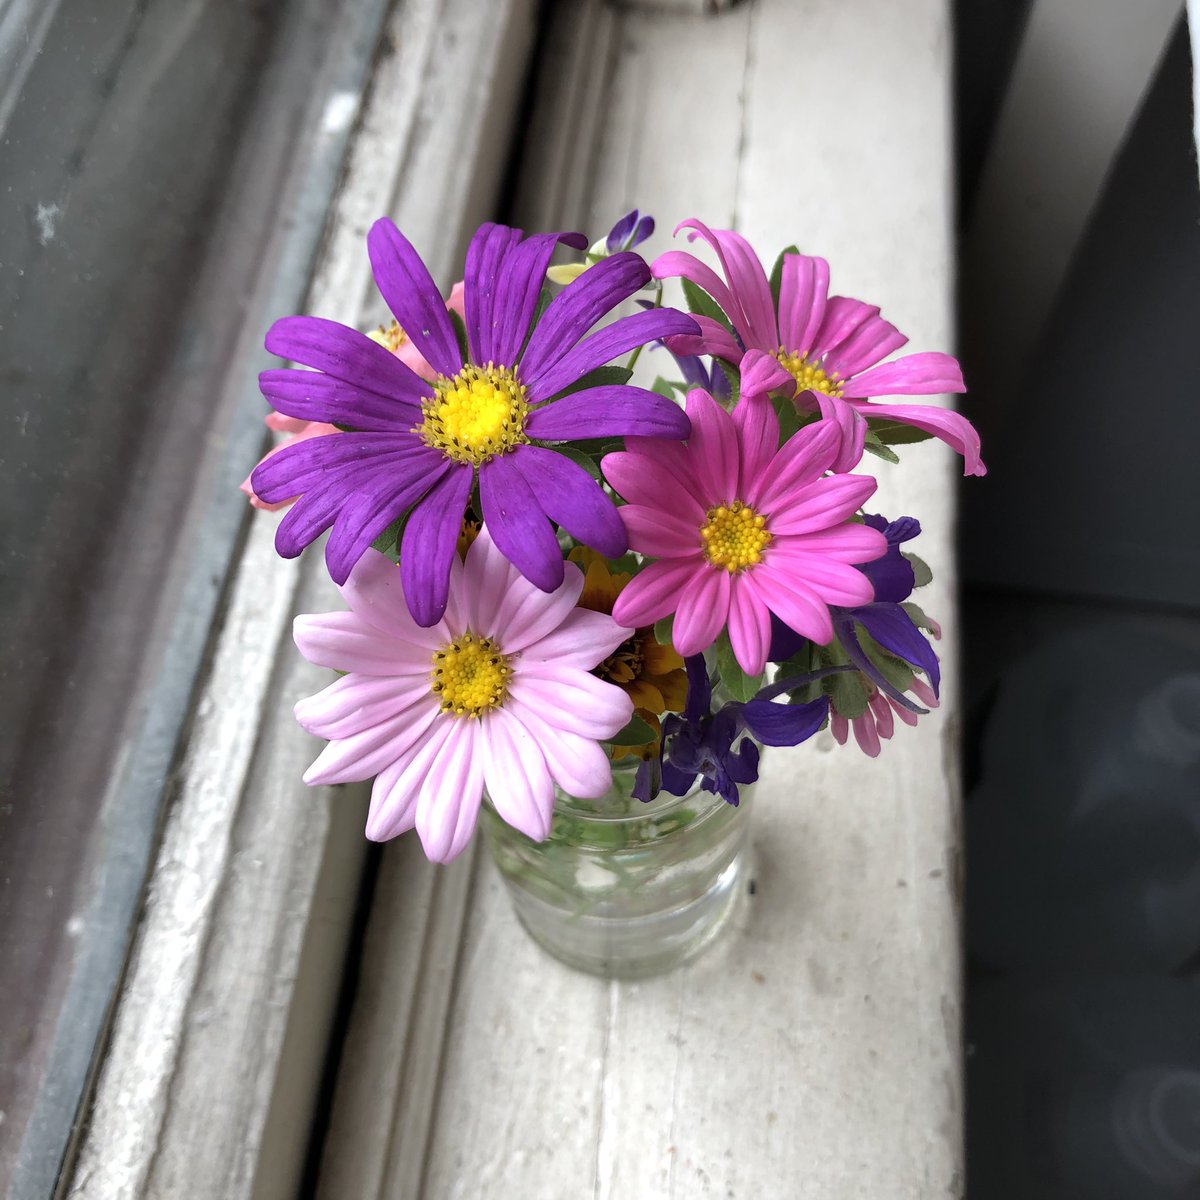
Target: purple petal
311,396
345,354
578,307
570,496
293,470
784,724
405,283
518,524
848,636
605,345
620,232
430,542
524,270
481,281
616,410
785,641
699,693
895,631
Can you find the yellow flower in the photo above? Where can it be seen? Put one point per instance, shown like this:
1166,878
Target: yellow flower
651,673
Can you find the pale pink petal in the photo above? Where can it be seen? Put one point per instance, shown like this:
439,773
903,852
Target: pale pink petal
527,614
803,292
655,590
342,641
518,780
578,764
925,374
375,593
451,792
909,718
713,338
282,423
366,753
839,727
758,434
357,702
658,475
414,360
702,612
944,423
753,314
583,640
575,700
924,692
658,532
884,725
749,628
762,373
301,431
820,504
834,582
865,735
394,794
871,342
487,578
792,603
712,447
803,457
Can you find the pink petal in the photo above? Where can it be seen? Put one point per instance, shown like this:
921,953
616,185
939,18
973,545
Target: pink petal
927,374
909,718
749,628
803,292
583,640
375,593
871,342
679,264
357,702
657,532
655,590
712,447
451,792
754,313
802,458
702,612
842,317
850,423
865,735
792,603
924,692
944,423
343,642
834,582
763,373
366,753
758,439
849,543
578,764
577,701
884,725
658,477
839,727
713,338
518,781
394,794
818,505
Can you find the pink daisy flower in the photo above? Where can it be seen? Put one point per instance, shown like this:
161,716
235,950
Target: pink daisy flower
742,528
496,695
876,721
394,339
828,349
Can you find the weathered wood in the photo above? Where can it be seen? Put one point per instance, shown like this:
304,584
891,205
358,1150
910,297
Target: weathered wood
209,1083
814,1051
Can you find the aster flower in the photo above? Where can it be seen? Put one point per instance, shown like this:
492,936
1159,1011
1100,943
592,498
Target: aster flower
630,231
742,528
392,338
498,694
828,350
419,448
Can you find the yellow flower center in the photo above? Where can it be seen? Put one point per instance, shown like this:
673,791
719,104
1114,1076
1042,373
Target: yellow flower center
734,537
470,676
808,376
475,416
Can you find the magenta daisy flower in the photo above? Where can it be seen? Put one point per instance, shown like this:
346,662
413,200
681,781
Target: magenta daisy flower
497,694
828,349
742,528
418,447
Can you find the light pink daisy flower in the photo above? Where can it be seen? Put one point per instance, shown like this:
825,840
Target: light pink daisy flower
829,350
496,695
876,721
742,528
400,344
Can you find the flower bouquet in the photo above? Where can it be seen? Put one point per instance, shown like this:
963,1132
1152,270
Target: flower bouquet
582,606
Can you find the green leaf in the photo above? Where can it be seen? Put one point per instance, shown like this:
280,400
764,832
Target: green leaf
895,670
699,301
919,619
579,458
600,377
668,387
388,542
737,683
735,379
894,433
791,419
777,272
636,733
803,662
663,628
460,332
921,572
876,447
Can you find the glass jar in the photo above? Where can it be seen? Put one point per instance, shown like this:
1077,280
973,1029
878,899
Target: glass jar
623,888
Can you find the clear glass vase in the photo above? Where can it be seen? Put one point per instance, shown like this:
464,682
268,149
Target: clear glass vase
622,888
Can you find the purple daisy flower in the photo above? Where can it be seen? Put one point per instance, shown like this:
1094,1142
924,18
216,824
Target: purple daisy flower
418,448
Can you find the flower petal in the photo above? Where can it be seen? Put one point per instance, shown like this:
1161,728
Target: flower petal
803,458
484,289
341,641
803,293
944,423
405,283
870,342
430,543
394,794
363,754
375,594
584,640
927,374
518,523
655,590
834,582
451,792
819,505
659,533
749,629
763,373
843,315
758,439
702,611
714,338
658,475
613,410
784,724
754,315
312,396
527,614
572,498
576,763
356,702
794,604
712,447
580,702
518,781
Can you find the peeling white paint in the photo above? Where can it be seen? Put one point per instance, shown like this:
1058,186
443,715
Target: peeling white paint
46,216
